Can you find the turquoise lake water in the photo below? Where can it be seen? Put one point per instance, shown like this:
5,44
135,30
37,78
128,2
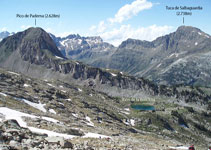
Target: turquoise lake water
142,107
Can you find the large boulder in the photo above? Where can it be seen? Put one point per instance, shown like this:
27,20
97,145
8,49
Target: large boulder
10,124
15,144
66,144
54,140
75,132
59,141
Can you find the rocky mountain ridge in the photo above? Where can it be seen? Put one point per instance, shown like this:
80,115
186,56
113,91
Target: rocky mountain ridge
34,53
182,57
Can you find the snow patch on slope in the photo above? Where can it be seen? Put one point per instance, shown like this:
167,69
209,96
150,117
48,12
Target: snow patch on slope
75,115
51,133
90,123
51,85
13,114
114,75
80,90
158,65
39,106
50,119
26,85
59,57
3,94
52,111
94,135
179,147
206,36
132,122
69,99
13,73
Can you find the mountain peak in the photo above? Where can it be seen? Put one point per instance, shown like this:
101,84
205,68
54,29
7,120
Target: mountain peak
144,44
72,36
187,29
34,29
39,37
34,33
34,45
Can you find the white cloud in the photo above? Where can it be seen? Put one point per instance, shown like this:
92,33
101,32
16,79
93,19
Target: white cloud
113,31
92,28
117,35
130,10
4,29
101,27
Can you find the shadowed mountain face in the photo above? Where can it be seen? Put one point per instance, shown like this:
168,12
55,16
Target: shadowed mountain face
182,57
33,45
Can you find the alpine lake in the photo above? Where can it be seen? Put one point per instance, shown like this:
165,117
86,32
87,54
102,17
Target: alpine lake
143,107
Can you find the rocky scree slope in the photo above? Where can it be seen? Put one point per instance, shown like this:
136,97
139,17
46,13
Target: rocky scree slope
79,116
54,108
41,114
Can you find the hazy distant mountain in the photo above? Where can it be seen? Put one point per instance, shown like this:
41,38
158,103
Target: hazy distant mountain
85,49
182,57
4,35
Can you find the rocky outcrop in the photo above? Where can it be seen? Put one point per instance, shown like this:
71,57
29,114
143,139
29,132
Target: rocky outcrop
15,137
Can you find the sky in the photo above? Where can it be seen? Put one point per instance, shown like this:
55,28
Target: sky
113,20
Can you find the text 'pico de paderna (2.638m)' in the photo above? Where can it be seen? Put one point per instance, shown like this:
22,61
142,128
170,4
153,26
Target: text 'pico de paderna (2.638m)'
36,16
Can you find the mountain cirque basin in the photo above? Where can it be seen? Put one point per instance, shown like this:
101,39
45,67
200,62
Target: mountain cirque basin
44,94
